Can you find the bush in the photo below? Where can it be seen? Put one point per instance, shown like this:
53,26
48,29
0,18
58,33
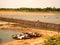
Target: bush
53,41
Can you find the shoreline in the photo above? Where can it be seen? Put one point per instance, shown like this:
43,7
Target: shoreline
29,41
20,12
40,31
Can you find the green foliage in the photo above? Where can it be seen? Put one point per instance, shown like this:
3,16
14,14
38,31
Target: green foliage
32,9
53,41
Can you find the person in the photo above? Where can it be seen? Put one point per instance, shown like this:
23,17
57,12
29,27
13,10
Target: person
30,32
20,36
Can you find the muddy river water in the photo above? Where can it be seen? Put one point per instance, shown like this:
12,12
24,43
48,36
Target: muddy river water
43,18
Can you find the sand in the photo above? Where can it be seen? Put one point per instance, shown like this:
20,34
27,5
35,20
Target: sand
39,13
37,41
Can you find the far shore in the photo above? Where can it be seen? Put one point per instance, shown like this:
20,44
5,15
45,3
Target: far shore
20,12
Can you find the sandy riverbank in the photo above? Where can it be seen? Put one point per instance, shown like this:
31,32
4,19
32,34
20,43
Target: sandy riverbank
40,13
36,41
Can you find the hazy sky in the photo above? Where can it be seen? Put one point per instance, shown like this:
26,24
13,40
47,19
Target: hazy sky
29,3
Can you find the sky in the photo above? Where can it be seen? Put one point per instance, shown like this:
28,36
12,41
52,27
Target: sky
29,3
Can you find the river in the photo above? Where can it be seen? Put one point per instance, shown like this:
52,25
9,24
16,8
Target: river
42,18
6,35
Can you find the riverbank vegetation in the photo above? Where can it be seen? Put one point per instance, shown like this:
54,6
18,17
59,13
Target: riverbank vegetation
55,40
47,9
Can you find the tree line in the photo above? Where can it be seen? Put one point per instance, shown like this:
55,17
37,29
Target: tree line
33,9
